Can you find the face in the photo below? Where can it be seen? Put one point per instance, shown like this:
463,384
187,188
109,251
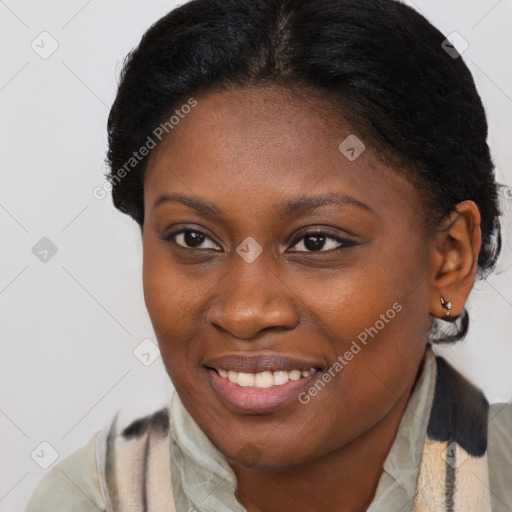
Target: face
286,283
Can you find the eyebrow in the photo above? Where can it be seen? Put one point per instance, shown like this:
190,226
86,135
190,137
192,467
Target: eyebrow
196,204
300,204
296,205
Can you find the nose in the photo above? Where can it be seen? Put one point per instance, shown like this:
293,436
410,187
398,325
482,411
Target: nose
251,298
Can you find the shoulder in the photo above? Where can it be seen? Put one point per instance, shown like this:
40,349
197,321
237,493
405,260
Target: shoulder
137,463
500,454
72,483
459,411
88,479
500,420
500,436
475,439
157,421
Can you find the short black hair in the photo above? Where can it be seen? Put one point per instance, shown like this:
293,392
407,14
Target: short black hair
383,62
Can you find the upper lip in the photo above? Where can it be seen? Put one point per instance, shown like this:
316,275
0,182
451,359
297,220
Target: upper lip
255,363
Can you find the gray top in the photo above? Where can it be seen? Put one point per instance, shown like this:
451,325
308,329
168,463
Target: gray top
202,478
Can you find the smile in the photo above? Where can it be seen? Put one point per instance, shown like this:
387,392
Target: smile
260,383
264,379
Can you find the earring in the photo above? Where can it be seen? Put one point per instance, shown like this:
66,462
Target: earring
446,305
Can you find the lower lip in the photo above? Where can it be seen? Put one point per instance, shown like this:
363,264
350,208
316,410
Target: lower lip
251,400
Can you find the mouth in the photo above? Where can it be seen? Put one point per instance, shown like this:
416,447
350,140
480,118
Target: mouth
264,379
260,384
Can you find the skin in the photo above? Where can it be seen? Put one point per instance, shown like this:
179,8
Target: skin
248,151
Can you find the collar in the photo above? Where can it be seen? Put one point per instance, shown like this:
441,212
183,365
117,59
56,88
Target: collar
397,486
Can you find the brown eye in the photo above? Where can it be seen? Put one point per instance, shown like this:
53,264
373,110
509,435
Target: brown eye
320,242
191,239
314,242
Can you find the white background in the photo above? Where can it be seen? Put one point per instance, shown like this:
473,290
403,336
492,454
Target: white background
70,325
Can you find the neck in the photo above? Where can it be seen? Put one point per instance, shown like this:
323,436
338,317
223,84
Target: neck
344,480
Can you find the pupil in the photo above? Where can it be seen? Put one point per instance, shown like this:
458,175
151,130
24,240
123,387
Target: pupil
192,238
317,242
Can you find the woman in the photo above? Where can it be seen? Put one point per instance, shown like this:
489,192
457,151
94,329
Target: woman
316,197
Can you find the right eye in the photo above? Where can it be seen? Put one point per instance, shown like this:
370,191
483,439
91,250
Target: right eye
189,239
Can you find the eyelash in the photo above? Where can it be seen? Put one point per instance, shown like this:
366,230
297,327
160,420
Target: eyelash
345,243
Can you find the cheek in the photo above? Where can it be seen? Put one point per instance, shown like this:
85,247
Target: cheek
173,298
168,293
377,362
167,301
375,316
160,290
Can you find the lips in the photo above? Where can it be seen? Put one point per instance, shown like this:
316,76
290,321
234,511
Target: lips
256,363
256,384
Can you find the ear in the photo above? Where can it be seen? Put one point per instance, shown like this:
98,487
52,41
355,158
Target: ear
454,258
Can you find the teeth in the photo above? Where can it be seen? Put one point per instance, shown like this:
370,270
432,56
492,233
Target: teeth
264,379
294,374
280,378
245,379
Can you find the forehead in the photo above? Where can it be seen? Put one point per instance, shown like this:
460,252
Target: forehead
251,123
258,145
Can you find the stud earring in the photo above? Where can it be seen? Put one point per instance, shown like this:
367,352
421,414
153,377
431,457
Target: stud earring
448,306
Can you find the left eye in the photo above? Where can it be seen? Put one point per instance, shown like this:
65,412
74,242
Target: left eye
320,242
